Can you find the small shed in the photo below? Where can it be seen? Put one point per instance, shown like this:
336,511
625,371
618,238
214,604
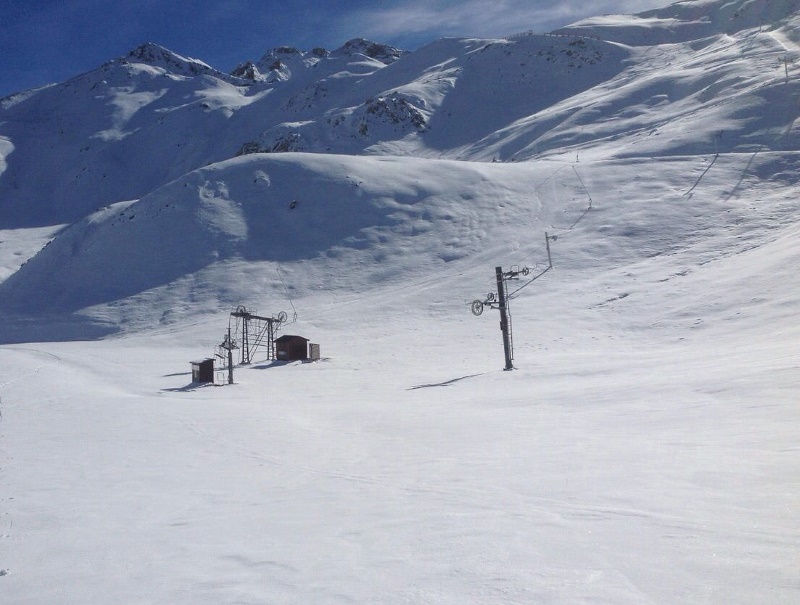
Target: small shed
203,370
291,348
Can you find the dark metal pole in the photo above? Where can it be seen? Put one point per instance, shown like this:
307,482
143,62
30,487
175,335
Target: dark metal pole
549,256
501,295
230,357
270,340
246,357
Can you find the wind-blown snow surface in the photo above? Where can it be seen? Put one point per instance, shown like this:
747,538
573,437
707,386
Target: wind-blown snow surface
645,450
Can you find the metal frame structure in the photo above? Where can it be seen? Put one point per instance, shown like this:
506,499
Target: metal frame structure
252,331
224,353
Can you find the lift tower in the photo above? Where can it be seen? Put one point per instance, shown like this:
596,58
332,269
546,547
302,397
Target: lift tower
253,331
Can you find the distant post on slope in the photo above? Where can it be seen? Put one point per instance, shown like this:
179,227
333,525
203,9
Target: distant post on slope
501,299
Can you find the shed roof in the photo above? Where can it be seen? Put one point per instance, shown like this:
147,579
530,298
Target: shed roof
287,337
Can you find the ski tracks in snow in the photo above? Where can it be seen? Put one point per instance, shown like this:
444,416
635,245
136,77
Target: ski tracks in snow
51,359
47,360
572,515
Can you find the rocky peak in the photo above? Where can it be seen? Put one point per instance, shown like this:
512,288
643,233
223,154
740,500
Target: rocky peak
158,56
380,52
248,71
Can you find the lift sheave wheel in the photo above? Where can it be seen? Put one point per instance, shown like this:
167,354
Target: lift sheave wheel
477,307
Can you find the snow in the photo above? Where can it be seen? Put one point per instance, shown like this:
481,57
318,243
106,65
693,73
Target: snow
644,450
17,246
615,465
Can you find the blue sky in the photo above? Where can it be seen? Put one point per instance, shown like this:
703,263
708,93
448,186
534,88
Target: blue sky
43,41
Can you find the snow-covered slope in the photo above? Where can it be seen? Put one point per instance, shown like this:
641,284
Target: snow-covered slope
644,451
135,124
328,212
687,21
140,128
393,218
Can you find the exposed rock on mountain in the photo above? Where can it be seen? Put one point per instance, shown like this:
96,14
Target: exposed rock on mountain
382,52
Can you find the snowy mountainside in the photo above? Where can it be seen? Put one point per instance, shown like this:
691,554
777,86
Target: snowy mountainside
686,21
161,58
336,211
342,225
92,134
722,93
516,98
284,62
165,169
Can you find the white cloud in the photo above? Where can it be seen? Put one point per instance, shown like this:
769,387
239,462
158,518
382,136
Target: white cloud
482,17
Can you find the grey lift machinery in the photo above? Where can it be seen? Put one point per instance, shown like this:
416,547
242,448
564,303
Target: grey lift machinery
251,331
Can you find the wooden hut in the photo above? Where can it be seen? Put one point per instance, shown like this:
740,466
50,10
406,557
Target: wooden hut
291,348
203,370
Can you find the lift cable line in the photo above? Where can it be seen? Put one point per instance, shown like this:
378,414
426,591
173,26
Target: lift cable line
547,239
583,214
286,290
502,298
